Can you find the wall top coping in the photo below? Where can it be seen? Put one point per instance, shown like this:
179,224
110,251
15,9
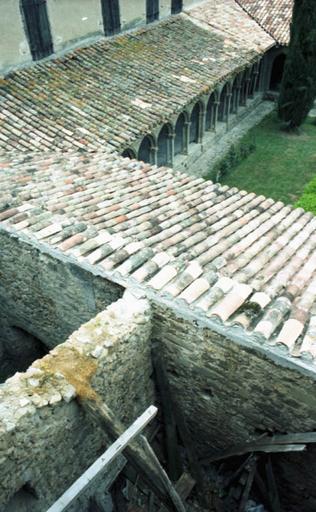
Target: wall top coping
70,367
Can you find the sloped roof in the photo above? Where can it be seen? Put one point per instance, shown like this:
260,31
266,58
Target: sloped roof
114,91
274,16
228,255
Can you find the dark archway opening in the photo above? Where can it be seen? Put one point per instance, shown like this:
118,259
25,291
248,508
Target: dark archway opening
210,113
195,121
128,153
179,143
145,152
277,72
222,109
19,349
163,155
252,83
234,98
24,500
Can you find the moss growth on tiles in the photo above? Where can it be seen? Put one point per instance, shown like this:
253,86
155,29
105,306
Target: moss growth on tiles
281,165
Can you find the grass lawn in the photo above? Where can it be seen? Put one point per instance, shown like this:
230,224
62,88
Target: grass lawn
281,165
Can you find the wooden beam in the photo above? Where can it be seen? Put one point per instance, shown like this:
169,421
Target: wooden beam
172,445
99,466
174,496
195,466
252,467
134,453
183,487
264,447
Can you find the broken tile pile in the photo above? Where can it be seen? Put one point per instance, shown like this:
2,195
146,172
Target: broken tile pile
272,15
237,258
113,92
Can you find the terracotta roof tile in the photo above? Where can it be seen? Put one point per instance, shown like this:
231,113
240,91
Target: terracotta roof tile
273,15
235,257
113,92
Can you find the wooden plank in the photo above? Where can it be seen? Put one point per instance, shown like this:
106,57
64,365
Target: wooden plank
195,466
245,495
183,487
166,482
272,487
172,445
300,438
134,453
102,462
253,447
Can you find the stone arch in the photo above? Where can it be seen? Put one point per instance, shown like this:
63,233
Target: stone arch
146,150
164,145
19,350
24,500
129,153
277,72
223,104
195,123
210,112
179,140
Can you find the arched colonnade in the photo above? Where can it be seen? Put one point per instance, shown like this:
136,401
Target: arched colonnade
205,115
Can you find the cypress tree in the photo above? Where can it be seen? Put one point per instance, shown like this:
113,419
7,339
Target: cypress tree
298,87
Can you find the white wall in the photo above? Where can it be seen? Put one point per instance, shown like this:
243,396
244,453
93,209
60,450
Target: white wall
72,20
133,14
14,49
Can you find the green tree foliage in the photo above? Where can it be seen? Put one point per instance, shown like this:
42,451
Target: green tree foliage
298,88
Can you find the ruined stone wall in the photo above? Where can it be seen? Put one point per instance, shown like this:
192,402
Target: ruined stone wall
46,441
44,296
229,394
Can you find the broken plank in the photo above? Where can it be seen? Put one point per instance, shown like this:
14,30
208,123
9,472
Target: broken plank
272,487
166,482
248,486
252,447
99,466
172,446
300,438
183,487
134,453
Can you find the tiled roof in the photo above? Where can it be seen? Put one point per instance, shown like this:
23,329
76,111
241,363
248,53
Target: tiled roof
229,20
273,15
228,255
116,90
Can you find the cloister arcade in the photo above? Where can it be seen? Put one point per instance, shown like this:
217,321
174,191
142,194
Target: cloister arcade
207,114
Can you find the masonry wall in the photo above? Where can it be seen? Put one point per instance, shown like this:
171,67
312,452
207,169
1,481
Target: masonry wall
46,441
229,395
45,297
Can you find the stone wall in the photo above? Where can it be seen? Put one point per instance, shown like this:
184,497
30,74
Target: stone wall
230,394
46,297
46,441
